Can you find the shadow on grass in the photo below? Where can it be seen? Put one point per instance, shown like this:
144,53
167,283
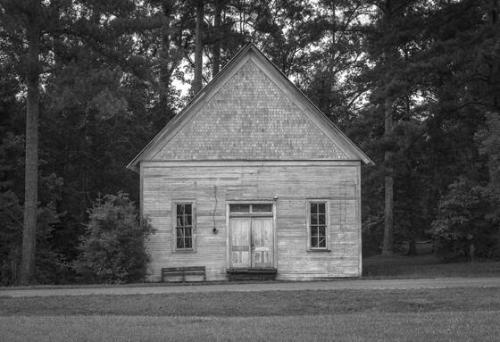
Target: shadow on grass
426,266
267,303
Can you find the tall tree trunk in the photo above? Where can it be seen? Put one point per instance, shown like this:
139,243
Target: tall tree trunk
165,72
387,248
164,52
31,167
198,56
494,8
388,243
218,37
333,5
494,12
327,79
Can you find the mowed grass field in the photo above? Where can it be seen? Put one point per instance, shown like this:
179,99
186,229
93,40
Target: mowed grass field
454,314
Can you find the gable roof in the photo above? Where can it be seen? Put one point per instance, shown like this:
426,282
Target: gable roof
251,60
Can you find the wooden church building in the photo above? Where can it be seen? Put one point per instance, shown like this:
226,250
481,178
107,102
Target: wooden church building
252,178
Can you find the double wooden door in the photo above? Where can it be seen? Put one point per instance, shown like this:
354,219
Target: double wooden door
252,242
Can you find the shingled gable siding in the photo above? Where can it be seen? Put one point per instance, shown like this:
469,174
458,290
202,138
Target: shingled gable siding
250,118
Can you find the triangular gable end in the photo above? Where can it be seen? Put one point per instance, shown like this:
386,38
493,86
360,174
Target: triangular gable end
250,111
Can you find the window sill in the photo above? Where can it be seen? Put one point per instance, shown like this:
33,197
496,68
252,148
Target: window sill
319,250
187,250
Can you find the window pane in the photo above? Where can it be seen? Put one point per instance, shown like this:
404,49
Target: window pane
188,242
321,208
187,232
180,209
180,237
314,218
322,242
321,219
239,208
262,208
314,241
187,209
188,220
314,208
322,231
180,221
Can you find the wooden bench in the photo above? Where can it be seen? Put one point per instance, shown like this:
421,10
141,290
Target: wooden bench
183,272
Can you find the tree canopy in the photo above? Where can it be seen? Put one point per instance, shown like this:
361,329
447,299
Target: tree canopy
86,84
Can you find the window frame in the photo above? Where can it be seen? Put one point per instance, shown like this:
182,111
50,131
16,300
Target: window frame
193,226
309,203
251,212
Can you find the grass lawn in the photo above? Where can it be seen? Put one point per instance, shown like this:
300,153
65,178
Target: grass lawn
455,314
365,326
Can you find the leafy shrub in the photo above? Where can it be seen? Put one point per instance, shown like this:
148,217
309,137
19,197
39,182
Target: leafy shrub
464,226
113,247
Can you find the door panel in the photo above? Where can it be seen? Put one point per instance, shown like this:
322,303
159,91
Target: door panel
262,242
240,242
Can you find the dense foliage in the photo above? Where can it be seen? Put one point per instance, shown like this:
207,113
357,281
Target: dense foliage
113,245
108,73
465,226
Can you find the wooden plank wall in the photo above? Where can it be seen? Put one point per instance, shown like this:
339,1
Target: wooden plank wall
208,185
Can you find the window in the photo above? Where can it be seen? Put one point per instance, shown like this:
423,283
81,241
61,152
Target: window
262,208
317,225
239,208
257,209
184,226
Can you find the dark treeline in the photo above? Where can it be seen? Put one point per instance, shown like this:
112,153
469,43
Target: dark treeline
85,84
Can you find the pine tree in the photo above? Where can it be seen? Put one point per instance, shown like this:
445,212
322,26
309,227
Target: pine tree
17,17
198,48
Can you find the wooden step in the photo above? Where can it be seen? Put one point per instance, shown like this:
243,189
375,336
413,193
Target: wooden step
252,274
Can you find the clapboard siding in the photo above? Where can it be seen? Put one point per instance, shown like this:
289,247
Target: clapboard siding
210,187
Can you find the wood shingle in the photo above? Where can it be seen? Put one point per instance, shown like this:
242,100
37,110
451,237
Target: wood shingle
250,118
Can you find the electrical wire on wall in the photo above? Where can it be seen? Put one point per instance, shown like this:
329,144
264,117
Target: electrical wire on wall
214,230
